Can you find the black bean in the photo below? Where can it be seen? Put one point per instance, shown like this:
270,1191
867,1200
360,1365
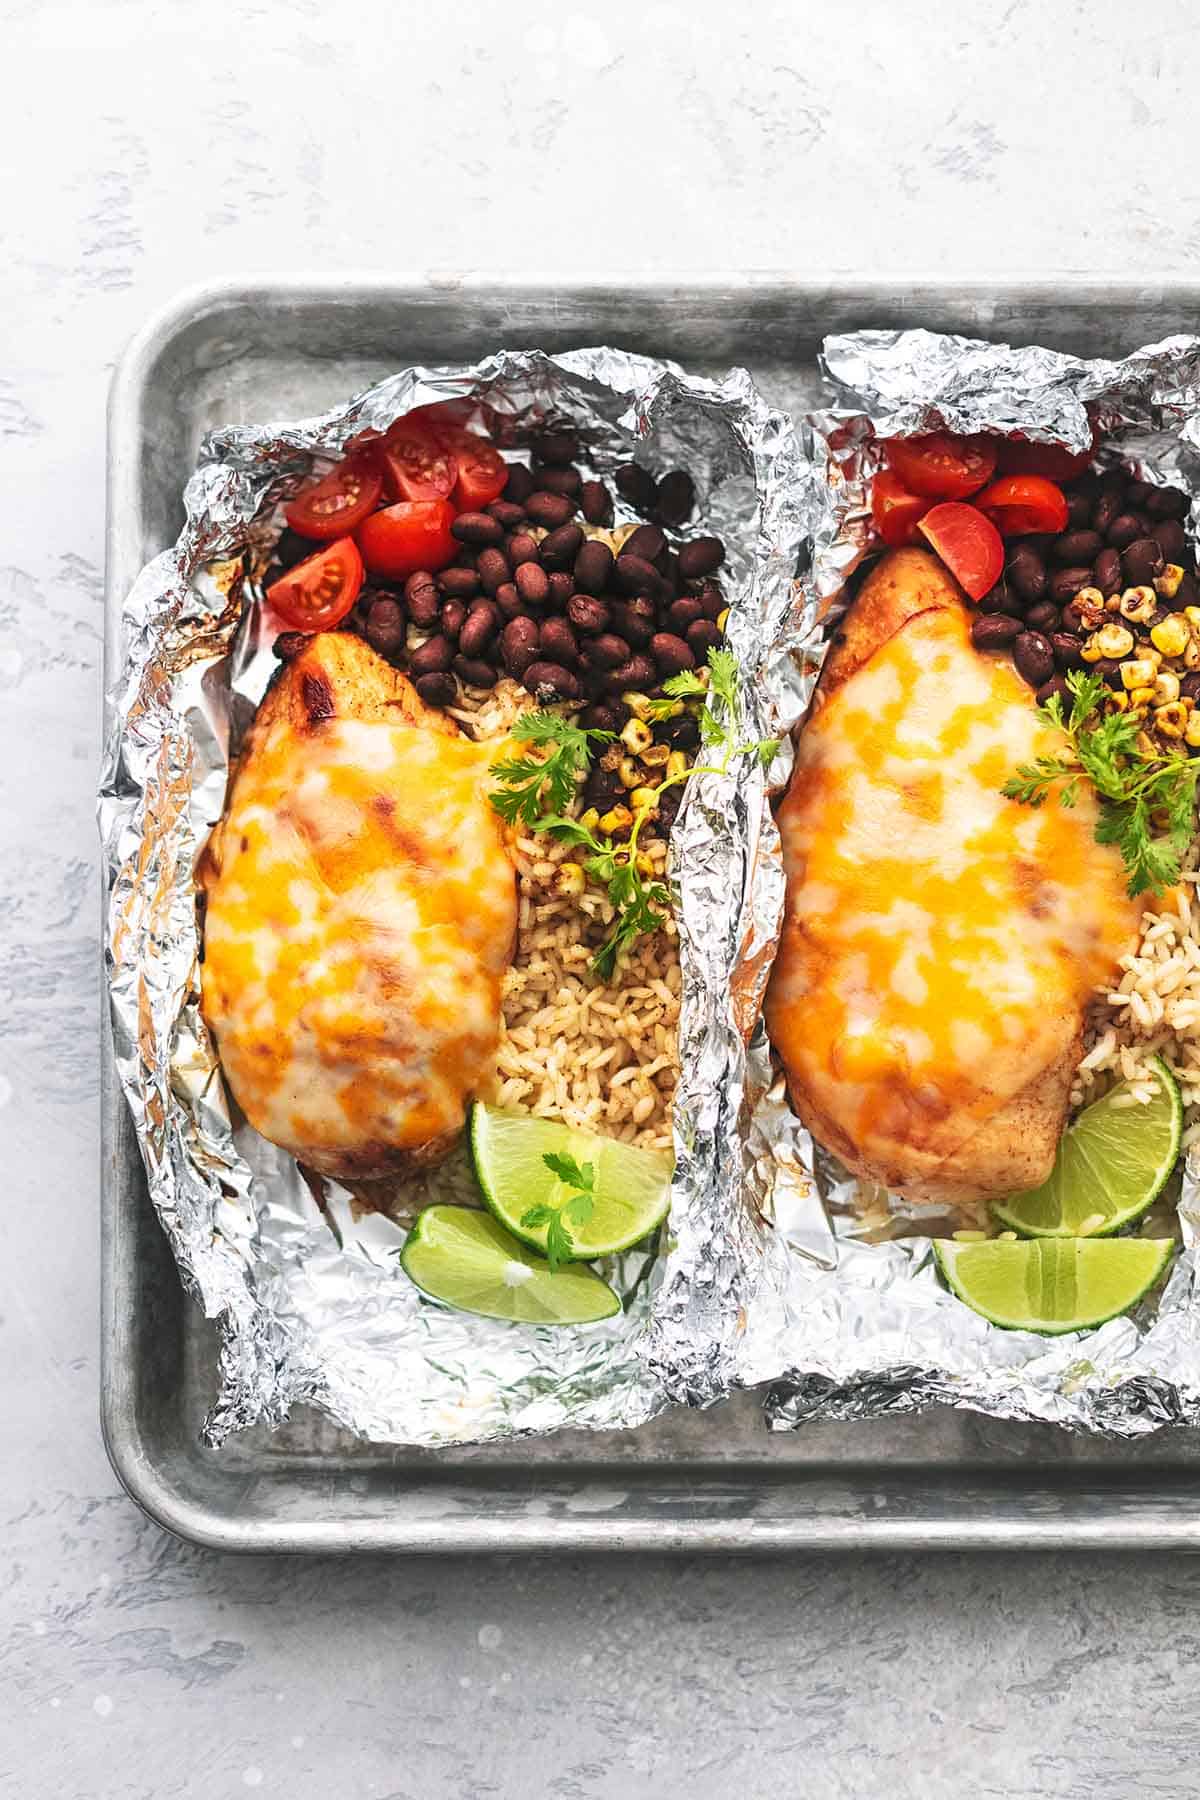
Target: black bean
559,548
1141,562
520,484
559,643
289,644
422,599
1137,493
633,575
506,513
1072,620
509,600
476,528
474,672
685,611
462,584
672,654
603,787
452,616
1077,547
519,644
479,628
607,651
1124,530
1186,594
1167,503
560,481
1026,573
1045,616
637,674
675,498
1189,686
588,614
1033,657
521,548
533,583
1108,507
702,556
1049,689
702,637
1002,598
556,446
647,542
1106,572
549,510
1066,583
1068,653
550,681
636,485
995,631
432,657
593,568
1079,510
385,627
436,689
634,619
683,733
562,586
595,503
493,570
1169,535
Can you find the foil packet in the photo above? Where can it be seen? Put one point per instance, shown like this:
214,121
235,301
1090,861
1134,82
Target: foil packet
310,1301
793,1287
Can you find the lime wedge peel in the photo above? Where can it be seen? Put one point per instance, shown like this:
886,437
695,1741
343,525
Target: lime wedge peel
468,1261
632,1186
1052,1285
1112,1164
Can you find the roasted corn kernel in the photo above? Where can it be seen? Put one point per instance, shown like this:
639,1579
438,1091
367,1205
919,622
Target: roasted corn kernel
1091,651
629,773
1140,698
1171,635
617,818
1191,732
589,819
642,799
1145,745
1166,688
1191,656
723,619
677,764
637,736
1171,720
638,704
1118,701
1139,604
656,755
1139,672
570,879
1089,599
643,862
1167,583
1114,640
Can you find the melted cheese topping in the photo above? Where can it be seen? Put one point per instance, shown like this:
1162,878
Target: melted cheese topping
940,942
358,926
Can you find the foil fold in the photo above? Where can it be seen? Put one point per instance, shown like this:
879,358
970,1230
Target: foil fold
310,1301
794,1290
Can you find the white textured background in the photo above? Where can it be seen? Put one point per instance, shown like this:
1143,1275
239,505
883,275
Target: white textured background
143,146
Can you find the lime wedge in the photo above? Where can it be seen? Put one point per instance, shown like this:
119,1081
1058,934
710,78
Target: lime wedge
464,1258
1111,1166
631,1187
1052,1284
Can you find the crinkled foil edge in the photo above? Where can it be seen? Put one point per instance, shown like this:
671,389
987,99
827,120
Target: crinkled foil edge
310,1303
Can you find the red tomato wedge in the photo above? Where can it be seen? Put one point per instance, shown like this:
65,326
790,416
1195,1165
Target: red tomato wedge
1016,456
319,591
895,512
940,465
482,471
415,534
1020,503
338,502
967,543
414,464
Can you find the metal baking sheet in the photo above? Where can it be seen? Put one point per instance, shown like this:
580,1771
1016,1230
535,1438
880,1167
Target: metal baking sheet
691,1481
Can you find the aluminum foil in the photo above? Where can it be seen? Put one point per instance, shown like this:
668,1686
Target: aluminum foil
805,1286
310,1300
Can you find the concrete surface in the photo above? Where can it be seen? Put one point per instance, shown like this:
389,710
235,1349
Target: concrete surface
147,145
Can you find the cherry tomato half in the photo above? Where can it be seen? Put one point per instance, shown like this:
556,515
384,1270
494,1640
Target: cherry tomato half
1020,503
967,543
482,471
941,465
338,502
415,534
319,591
1016,456
415,465
895,512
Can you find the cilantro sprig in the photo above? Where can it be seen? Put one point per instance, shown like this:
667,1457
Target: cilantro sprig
558,1220
1147,803
537,792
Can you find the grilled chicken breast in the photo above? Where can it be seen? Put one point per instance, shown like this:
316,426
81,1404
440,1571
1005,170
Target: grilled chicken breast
361,912
940,942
